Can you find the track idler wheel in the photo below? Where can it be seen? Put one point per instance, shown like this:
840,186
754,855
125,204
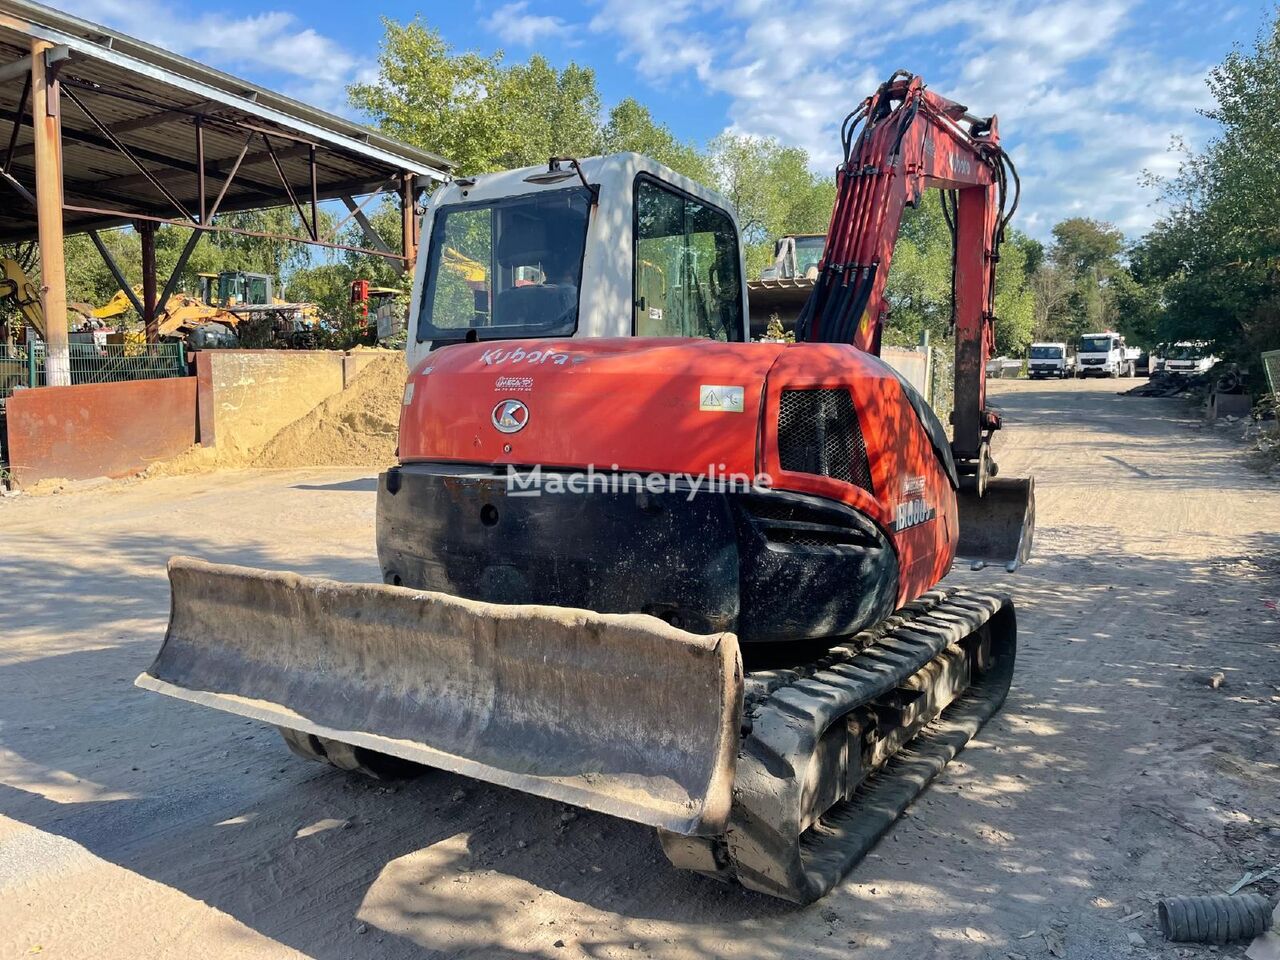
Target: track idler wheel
376,766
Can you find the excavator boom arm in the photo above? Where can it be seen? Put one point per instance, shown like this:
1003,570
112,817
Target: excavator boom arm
909,139
15,284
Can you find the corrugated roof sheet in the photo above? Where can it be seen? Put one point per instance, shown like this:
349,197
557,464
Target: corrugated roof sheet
150,100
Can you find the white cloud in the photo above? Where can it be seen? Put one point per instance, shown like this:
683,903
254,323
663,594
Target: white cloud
513,24
310,66
1086,97
1084,107
656,34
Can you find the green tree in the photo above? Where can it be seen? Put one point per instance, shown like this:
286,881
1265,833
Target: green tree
1083,245
477,111
1052,317
919,283
1088,252
549,112
1015,296
1138,308
1071,282
773,191
919,286
1214,259
631,127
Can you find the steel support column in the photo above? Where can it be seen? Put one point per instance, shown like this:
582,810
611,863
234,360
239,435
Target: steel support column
408,223
147,233
46,128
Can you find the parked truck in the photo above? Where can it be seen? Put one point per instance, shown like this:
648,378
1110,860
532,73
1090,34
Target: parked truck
1050,360
1105,355
1189,357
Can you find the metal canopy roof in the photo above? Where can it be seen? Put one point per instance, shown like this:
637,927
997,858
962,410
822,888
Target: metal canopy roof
118,91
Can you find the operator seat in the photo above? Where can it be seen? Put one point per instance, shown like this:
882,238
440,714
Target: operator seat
532,242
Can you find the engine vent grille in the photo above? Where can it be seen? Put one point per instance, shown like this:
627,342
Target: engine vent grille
819,433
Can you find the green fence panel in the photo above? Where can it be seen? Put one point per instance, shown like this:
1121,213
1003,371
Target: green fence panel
1271,364
93,363
14,370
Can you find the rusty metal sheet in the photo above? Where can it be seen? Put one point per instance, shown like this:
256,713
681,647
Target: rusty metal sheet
99,429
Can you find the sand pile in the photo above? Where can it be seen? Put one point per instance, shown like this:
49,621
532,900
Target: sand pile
356,427
195,459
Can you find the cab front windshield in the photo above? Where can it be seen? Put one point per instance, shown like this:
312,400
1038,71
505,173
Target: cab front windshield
1046,353
510,268
1095,344
809,253
1184,351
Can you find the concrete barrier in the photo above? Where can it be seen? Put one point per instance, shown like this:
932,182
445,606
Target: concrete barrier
248,396
912,364
1229,405
99,429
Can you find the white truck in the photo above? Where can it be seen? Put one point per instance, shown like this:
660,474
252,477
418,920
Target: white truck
1049,360
1105,355
1189,358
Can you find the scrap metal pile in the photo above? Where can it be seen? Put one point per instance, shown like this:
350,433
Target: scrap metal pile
1164,383
1223,378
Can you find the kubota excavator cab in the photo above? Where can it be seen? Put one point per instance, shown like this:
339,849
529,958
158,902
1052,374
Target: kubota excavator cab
613,246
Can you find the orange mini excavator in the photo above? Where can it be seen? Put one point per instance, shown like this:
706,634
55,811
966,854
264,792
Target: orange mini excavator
636,563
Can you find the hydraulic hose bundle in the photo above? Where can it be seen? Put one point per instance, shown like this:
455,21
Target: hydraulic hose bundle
887,164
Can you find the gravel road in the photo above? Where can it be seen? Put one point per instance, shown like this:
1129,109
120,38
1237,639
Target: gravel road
136,826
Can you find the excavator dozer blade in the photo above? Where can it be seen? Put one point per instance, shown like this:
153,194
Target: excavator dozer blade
620,713
998,526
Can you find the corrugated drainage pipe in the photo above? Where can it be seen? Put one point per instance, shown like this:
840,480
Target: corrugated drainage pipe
1214,919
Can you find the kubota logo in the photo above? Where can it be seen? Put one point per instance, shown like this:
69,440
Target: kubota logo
510,416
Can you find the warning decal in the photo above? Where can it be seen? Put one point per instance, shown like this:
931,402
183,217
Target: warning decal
719,398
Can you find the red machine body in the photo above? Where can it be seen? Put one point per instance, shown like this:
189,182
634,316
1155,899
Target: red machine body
668,426
778,505
360,296
619,406
856,507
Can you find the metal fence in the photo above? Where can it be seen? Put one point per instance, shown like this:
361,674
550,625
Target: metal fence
92,363
1271,364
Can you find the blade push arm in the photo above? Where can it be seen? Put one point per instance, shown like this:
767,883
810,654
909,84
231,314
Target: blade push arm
909,139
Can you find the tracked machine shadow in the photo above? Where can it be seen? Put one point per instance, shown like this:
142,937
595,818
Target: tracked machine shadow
638,564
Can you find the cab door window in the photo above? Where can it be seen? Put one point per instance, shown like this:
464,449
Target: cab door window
687,281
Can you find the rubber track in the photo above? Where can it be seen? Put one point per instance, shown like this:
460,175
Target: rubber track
788,711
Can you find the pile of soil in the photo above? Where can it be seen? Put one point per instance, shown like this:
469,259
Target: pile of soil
356,427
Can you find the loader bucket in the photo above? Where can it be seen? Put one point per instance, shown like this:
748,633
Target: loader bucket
620,713
998,526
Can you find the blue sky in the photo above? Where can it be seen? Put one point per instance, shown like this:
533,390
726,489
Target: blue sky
1089,93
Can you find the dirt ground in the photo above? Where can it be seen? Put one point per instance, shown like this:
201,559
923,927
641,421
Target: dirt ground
132,825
